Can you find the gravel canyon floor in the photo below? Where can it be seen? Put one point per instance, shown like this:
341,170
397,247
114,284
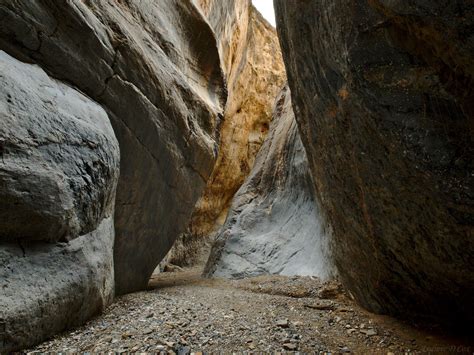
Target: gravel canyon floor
182,313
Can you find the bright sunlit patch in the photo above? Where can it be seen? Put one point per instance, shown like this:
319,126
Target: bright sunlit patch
266,9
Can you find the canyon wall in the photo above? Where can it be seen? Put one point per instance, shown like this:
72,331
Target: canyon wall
274,224
150,69
59,168
255,74
155,69
251,58
383,96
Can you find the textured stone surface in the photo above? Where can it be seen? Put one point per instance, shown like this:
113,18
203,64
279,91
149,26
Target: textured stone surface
154,67
59,163
59,169
274,225
255,74
383,95
47,288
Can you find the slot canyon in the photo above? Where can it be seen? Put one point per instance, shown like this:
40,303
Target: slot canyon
188,176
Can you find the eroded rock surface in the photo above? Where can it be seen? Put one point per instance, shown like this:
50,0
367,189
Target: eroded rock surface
274,225
383,94
154,67
255,74
59,167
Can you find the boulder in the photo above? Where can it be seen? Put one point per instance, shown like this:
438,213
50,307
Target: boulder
383,96
59,167
59,157
274,225
154,67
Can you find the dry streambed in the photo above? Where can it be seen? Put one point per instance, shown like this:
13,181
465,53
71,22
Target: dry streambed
184,313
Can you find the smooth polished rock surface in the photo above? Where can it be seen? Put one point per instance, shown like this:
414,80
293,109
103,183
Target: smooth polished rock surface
59,169
275,224
154,67
59,157
48,288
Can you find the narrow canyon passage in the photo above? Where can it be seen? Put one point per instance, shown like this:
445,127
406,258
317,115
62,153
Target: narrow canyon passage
187,176
183,312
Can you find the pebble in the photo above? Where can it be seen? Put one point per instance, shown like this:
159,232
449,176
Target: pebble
244,315
282,323
369,332
290,346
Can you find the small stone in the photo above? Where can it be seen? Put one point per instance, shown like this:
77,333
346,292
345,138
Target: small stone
150,315
350,331
345,349
184,350
147,331
369,332
290,346
283,323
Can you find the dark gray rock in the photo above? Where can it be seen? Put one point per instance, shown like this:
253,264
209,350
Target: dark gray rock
47,288
59,169
274,225
59,163
155,68
383,96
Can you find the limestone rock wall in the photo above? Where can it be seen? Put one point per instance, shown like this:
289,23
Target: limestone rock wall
255,74
383,96
59,167
154,67
274,224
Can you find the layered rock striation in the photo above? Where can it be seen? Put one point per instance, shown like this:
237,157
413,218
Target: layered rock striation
383,95
274,225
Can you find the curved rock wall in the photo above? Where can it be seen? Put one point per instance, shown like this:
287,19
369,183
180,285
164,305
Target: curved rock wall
152,71
59,167
383,96
274,225
155,68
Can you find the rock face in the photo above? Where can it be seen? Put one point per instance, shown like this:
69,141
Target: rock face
253,67
383,95
59,169
255,73
154,67
274,225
